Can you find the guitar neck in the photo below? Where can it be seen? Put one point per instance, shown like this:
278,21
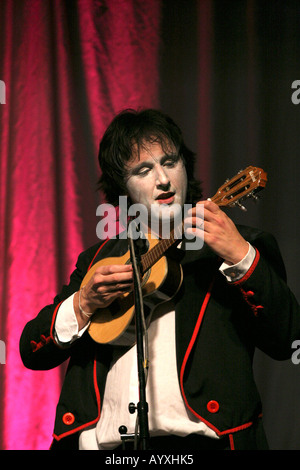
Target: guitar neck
158,251
155,253
243,185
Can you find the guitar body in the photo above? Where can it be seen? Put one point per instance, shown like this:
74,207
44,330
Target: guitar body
115,324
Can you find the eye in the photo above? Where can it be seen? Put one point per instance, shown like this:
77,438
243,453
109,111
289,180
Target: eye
171,161
143,171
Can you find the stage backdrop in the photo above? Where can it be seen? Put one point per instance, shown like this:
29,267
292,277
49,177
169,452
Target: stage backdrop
68,68
223,70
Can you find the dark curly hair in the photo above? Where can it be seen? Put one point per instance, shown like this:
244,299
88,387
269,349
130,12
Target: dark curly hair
135,128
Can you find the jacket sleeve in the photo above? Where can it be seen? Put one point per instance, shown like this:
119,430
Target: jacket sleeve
38,348
273,309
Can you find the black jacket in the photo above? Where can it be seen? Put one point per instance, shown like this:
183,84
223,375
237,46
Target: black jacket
218,327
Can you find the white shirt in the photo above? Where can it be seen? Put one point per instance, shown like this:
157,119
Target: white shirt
167,411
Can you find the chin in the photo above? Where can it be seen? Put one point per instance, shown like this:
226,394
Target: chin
166,212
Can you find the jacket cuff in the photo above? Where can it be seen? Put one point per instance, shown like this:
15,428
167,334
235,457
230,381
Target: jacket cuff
250,270
237,271
35,345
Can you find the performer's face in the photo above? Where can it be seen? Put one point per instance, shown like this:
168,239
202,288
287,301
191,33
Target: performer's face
155,177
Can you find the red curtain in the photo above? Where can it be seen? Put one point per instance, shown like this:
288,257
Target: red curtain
222,70
68,67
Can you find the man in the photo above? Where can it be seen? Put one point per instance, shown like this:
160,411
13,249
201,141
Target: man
233,298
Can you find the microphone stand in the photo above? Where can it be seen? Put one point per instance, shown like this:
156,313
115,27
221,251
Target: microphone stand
142,406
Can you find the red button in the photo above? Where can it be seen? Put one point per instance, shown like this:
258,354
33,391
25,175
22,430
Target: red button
250,293
213,406
68,418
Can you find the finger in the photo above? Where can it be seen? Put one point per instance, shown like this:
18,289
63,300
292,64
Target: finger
194,232
204,207
105,299
114,268
197,210
211,206
114,288
115,277
212,213
117,294
196,222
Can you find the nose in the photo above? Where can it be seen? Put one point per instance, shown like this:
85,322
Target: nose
162,178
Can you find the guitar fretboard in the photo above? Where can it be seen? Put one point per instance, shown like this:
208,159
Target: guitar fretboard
153,255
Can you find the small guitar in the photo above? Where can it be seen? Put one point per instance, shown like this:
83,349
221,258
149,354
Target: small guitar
161,274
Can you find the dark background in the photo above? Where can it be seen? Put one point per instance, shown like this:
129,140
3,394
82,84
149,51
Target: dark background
224,73
253,51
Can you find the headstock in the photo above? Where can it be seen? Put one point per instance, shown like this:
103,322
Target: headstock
242,186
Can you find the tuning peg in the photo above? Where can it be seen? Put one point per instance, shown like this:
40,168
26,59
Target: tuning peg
243,208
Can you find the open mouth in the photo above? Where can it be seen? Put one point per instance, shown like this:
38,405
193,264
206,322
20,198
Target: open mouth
166,198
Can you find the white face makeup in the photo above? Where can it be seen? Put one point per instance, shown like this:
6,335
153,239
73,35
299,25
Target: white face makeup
157,180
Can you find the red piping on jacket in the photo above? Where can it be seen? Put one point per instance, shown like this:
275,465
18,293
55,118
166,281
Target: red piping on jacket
245,294
100,248
95,421
231,442
250,270
182,370
96,388
45,340
189,349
